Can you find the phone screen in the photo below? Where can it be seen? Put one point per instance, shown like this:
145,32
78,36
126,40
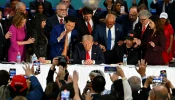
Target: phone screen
110,69
65,95
157,79
163,73
36,67
12,72
122,9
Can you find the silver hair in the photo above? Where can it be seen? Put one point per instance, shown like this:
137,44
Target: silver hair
135,83
19,4
61,3
111,14
145,13
87,37
96,73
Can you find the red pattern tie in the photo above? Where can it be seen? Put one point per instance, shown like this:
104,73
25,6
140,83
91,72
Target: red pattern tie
61,21
143,30
89,27
87,55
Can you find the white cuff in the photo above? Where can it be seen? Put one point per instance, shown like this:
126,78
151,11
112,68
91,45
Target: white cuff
58,40
144,77
82,62
154,1
93,61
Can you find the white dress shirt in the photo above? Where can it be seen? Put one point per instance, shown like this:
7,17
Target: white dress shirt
163,9
90,54
91,23
60,18
134,23
112,35
94,11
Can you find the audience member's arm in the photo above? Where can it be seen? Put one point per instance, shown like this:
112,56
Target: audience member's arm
126,86
75,85
37,91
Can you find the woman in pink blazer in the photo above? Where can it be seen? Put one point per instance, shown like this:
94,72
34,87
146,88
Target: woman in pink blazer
18,37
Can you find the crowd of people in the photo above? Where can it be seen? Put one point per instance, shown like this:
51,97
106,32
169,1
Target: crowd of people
87,36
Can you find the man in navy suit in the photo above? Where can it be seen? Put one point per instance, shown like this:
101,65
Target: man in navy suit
59,34
108,34
87,52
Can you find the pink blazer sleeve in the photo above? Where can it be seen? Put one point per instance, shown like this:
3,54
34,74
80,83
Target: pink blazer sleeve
13,39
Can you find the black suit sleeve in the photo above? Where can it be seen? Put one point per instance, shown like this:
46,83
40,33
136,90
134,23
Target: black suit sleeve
101,58
50,76
154,6
76,55
35,44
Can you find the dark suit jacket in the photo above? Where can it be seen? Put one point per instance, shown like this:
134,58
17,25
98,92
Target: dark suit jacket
2,43
50,23
82,28
99,34
116,54
143,1
96,54
72,12
138,30
47,6
57,47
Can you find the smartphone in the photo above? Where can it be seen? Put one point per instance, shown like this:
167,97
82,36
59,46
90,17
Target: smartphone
110,69
163,73
122,9
65,95
157,79
12,72
36,67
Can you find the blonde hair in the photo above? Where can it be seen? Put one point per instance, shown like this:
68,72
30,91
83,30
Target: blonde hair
18,18
87,37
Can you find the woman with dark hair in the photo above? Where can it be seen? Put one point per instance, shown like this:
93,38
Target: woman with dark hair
155,42
168,31
4,77
40,44
40,10
117,7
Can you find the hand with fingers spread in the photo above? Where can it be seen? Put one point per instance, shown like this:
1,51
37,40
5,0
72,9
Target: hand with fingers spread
142,68
113,77
88,96
28,71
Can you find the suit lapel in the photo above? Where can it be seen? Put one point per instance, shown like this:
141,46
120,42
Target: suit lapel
93,53
83,54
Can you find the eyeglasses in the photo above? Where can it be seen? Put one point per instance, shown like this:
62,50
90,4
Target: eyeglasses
132,15
62,9
143,19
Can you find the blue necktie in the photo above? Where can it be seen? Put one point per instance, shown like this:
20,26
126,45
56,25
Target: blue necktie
109,40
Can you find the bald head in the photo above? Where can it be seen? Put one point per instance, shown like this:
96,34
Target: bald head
110,20
159,93
135,83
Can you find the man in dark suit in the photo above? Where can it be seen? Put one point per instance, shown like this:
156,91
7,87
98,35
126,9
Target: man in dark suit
108,34
61,34
33,6
86,23
3,38
142,28
167,6
87,53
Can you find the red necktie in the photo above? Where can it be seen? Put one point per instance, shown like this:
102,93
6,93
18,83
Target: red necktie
87,55
61,21
89,28
143,30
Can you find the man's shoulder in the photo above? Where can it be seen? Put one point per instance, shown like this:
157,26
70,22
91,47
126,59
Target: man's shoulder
52,18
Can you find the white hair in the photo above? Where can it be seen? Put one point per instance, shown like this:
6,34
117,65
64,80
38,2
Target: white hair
111,14
19,4
145,13
58,5
135,83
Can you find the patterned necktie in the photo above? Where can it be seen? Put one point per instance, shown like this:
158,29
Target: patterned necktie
143,30
109,40
61,21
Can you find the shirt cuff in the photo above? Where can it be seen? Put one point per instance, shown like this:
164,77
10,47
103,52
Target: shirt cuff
82,62
144,77
154,1
93,61
58,40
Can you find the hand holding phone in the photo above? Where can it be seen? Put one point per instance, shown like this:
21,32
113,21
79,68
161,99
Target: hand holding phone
12,72
110,69
65,95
